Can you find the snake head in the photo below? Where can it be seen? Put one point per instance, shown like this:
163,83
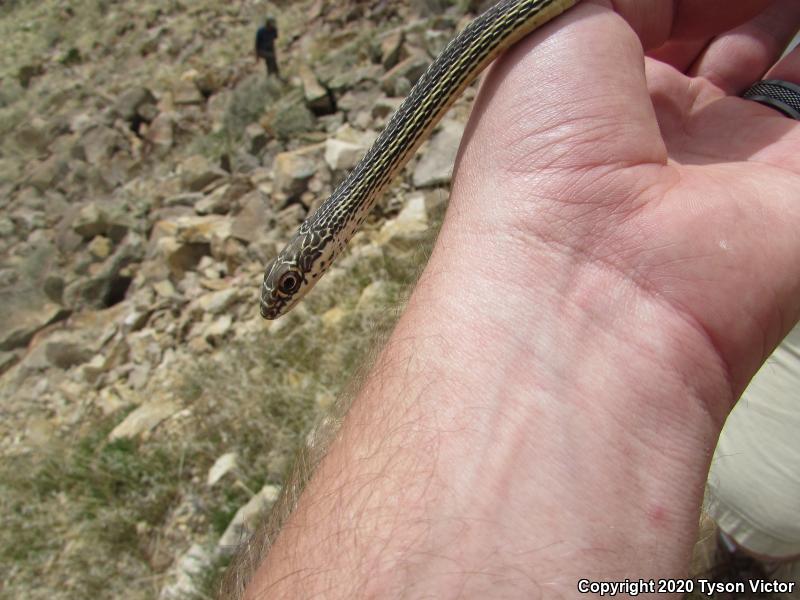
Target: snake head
283,281
291,275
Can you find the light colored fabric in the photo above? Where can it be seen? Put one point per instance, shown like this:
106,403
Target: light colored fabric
754,482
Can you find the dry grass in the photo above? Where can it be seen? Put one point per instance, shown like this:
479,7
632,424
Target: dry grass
85,518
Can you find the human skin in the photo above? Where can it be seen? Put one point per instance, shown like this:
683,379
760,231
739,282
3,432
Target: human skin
620,254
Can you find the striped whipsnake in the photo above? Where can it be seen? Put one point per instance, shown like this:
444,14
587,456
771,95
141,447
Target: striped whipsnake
323,235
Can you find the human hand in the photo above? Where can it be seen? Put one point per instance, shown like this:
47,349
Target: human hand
652,171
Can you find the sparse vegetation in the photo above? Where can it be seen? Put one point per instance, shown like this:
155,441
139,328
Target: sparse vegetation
80,501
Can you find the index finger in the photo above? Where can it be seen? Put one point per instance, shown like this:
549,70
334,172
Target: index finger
657,22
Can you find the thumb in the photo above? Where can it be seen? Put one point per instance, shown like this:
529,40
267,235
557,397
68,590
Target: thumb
571,96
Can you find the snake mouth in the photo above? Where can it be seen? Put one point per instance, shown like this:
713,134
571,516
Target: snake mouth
270,313
272,308
276,307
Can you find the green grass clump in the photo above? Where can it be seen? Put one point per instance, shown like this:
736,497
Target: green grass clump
78,508
248,102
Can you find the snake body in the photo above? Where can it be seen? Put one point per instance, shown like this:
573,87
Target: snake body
323,235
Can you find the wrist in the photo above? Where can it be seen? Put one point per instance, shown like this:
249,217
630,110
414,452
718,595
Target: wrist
535,401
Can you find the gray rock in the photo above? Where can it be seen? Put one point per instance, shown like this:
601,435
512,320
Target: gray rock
107,284
384,107
356,100
228,199
165,289
289,118
232,252
80,341
202,230
94,220
291,216
131,100
26,306
183,241
33,136
48,173
392,49
221,467
185,92
197,172
180,257
318,99
7,360
107,175
189,570
139,375
348,79
214,303
135,319
65,352
144,419
215,332
409,69
217,202
184,199
242,524
100,247
97,144
24,313
341,155
255,138
252,222
160,132
361,119
293,170
435,166
102,365
406,231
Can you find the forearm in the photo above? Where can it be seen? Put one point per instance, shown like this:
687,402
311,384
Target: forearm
546,423
547,406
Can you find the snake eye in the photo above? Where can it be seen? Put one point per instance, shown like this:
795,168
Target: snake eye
289,283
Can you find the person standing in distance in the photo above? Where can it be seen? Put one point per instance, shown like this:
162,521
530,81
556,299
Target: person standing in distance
265,45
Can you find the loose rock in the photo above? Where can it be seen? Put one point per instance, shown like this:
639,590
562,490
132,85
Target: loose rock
318,99
144,419
131,100
197,172
189,569
341,155
435,166
242,523
293,170
221,467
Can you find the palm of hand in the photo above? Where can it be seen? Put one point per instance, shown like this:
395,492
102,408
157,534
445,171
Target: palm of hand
661,178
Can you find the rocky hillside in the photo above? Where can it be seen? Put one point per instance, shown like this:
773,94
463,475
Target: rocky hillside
148,170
